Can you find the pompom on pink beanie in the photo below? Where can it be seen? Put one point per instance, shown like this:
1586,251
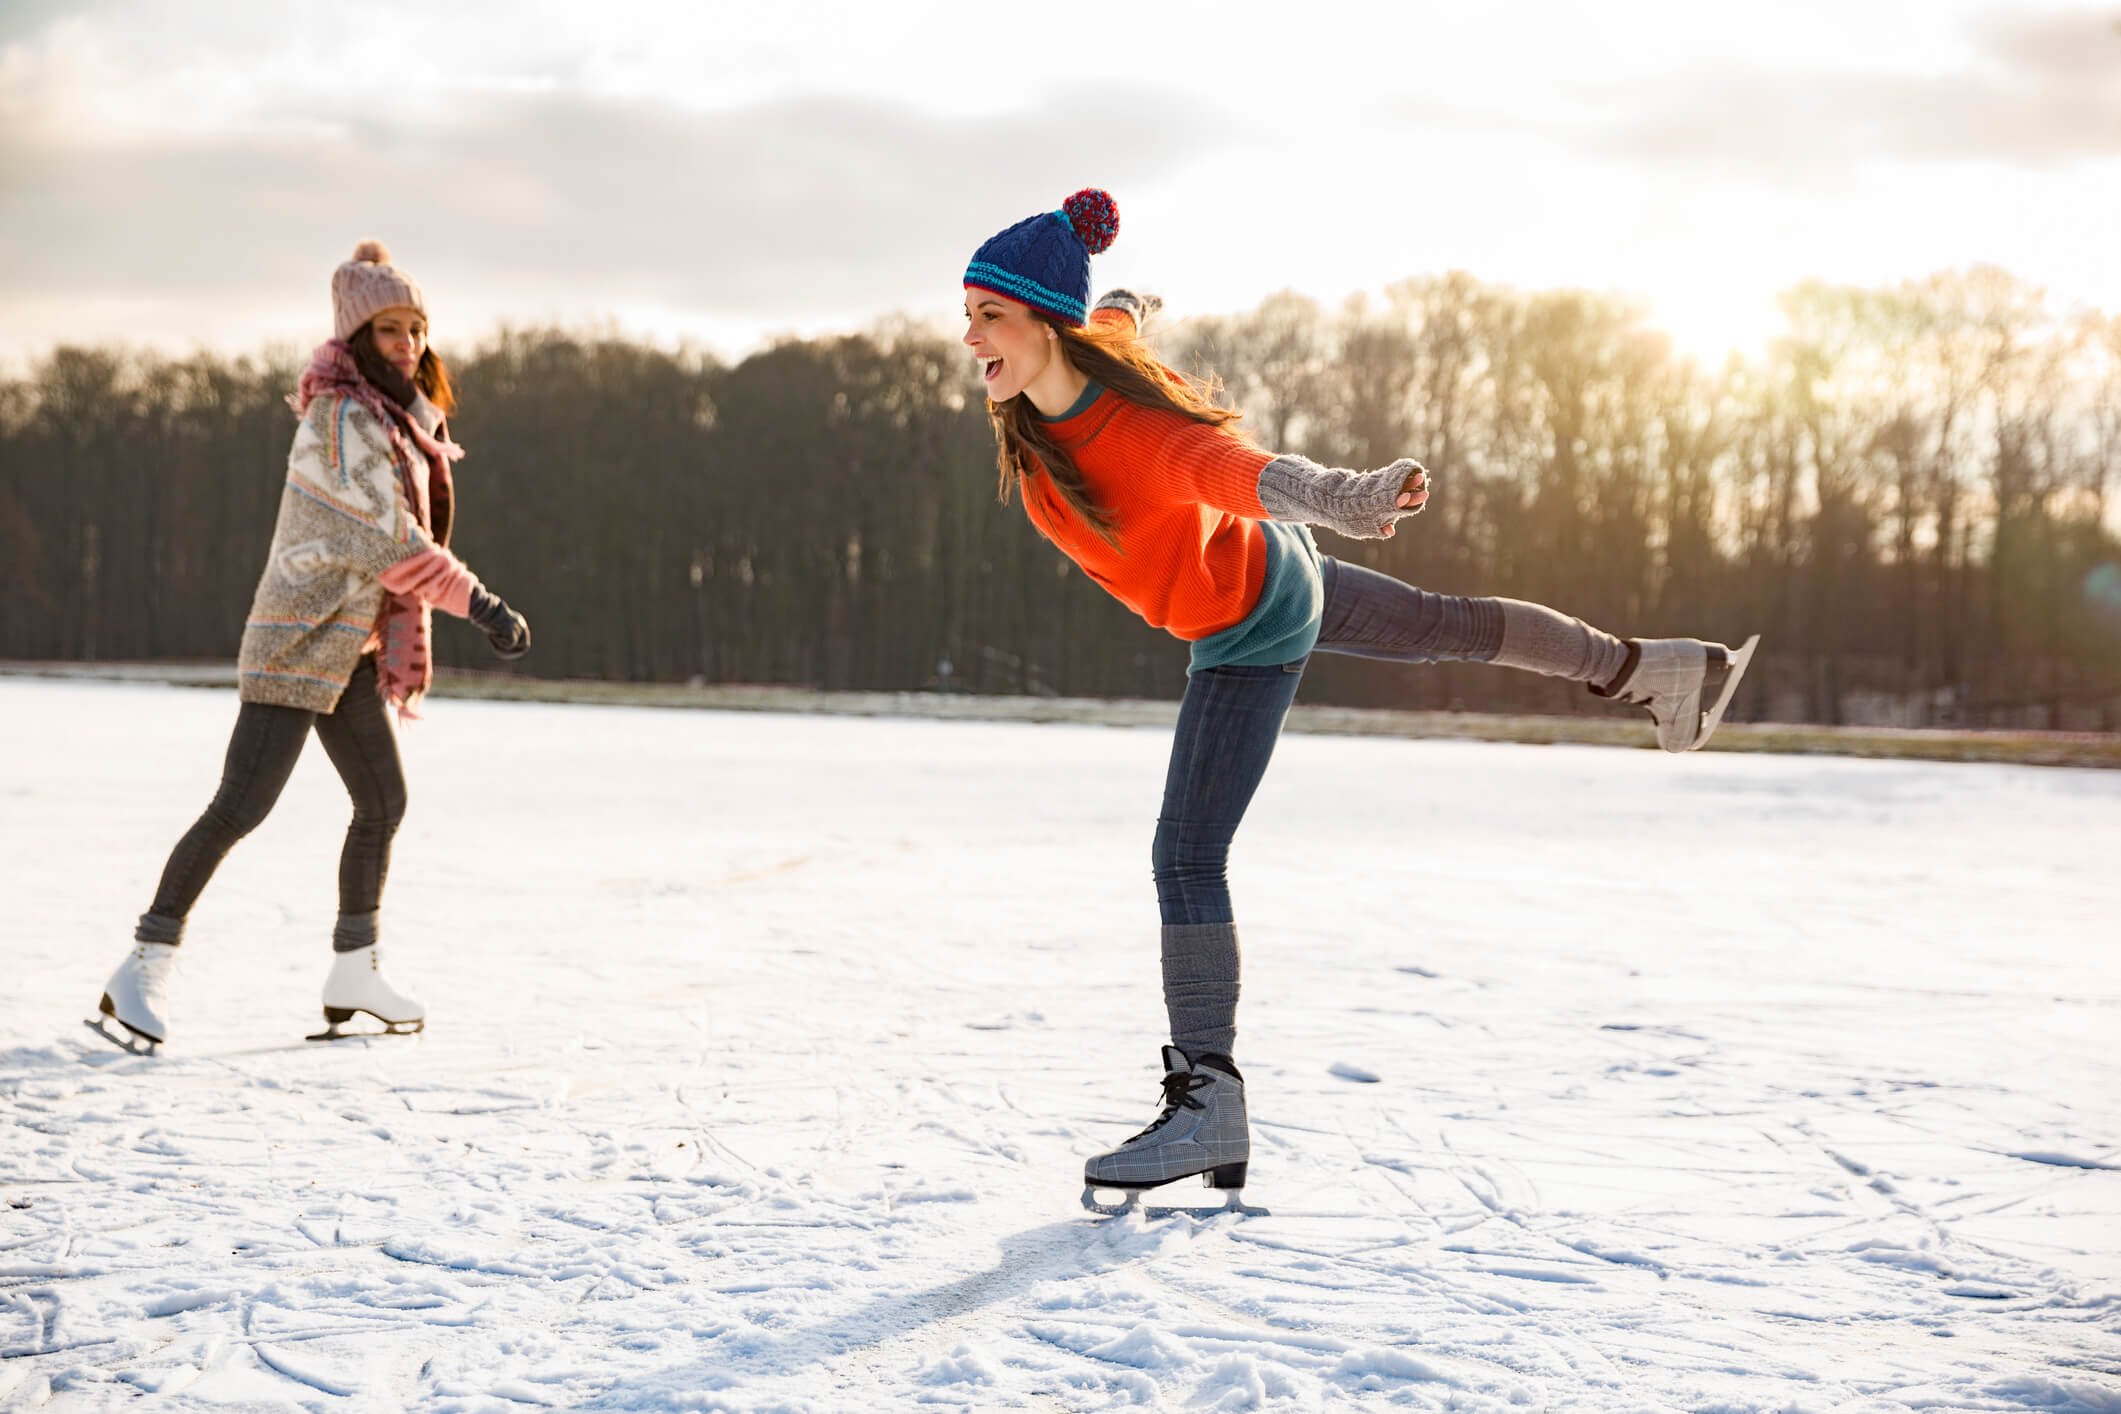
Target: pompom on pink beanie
367,285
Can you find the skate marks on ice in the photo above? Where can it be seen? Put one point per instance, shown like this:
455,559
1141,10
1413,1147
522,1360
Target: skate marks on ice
405,1242
412,1236
695,1130
1698,1240
315,1268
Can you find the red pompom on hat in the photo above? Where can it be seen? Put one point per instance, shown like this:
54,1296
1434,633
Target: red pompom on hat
1094,215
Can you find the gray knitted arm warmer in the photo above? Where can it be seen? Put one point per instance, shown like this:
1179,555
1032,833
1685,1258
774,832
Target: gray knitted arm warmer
1358,504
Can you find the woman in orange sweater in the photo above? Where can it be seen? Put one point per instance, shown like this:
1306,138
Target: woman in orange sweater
1143,482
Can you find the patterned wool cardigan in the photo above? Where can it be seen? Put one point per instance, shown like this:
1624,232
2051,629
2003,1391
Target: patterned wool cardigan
352,549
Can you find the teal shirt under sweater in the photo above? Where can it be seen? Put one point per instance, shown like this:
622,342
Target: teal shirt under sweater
1283,625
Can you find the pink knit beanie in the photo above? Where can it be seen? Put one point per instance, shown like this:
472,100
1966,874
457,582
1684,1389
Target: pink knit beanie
367,285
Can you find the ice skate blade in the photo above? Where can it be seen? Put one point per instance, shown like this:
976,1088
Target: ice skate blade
1233,1203
1737,661
125,1038
390,1028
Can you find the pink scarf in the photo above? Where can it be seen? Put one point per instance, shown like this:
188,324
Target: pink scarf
404,667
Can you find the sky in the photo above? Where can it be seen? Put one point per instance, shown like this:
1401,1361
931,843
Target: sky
724,173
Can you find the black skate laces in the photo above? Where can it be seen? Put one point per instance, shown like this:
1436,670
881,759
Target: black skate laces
1179,1086
1624,678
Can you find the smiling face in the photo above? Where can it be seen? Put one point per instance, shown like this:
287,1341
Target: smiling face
400,335
1014,346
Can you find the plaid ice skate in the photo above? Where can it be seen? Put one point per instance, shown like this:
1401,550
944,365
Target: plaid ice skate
1203,1127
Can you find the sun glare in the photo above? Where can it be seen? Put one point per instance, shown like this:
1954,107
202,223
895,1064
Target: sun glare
1710,320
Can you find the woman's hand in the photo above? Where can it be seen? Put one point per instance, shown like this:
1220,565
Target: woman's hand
507,630
1413,495
510,639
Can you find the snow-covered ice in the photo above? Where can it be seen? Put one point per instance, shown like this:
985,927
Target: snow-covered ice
765,1052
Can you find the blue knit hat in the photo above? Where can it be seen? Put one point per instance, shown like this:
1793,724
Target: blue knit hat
1044,260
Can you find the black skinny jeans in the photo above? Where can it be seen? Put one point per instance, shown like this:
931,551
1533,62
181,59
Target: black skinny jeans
262,752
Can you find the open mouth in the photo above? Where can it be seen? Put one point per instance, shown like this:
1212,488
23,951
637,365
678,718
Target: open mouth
990,368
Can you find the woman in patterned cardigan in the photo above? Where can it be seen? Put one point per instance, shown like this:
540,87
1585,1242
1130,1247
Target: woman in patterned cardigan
337,637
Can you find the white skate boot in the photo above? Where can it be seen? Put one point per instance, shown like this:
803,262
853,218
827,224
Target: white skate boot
356,984
1202,1131
1685,683
136,998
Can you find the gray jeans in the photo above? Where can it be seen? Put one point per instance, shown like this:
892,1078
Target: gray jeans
1230,719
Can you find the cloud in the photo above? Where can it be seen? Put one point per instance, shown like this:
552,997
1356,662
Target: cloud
787,209
24,19
2039,91
2077,48
2045,92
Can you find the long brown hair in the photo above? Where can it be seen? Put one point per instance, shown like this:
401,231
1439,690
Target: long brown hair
1111,353
430,377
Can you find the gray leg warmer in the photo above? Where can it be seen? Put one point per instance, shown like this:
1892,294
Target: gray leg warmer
1200,986
356,931
1541,640
159,928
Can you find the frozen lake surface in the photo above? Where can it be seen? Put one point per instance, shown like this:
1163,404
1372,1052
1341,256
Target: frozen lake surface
764,1053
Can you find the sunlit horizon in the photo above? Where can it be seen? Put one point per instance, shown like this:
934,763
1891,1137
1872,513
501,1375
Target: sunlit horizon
726,176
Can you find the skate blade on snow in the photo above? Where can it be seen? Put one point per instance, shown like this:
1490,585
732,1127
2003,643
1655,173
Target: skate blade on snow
138,1043
1233,1202
1735,664
393,1028
336,1017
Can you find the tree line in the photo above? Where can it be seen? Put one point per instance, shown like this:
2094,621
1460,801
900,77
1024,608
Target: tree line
1909,495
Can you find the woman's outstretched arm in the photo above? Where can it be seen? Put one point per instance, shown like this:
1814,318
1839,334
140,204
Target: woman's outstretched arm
1362,505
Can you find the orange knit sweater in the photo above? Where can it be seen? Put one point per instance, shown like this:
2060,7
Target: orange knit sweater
1184,497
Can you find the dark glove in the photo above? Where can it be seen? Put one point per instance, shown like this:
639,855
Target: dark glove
507,630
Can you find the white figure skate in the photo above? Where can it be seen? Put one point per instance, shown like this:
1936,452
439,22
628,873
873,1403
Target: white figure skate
356,984
133,1015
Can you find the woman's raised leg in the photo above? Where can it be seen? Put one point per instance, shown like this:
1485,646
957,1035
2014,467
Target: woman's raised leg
1685,683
